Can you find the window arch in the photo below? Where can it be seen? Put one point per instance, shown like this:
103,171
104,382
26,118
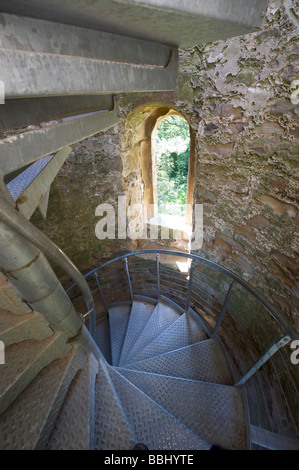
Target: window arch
139,157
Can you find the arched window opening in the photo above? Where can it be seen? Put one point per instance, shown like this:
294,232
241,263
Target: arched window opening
159,172
172,155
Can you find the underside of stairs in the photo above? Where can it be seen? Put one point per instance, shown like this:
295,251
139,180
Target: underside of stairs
158,380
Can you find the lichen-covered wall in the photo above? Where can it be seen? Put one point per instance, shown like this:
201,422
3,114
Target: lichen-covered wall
236,97
236,94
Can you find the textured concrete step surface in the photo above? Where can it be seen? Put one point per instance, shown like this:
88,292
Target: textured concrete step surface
74,427
214,412
23,361
29,420
140,313
152,424
162,317
118,322
18,328
11,298
183,332
112,428
200,361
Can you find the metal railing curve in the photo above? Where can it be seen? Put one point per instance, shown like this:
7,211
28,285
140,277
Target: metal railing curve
252,331
24,227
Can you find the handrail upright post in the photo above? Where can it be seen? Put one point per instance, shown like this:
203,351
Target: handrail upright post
91,314
189,286
158,275
129,279
223,309
278,343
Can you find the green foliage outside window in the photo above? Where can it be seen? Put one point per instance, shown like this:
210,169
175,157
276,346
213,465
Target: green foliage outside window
173,148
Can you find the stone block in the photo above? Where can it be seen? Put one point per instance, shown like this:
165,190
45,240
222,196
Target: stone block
229,111
269,128
11,300
279,207
221,150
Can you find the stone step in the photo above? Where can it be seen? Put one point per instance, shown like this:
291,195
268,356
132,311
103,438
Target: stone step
10,298
23,361
28,422
18,328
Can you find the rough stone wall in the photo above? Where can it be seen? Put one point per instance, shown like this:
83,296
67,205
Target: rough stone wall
92,175
247,142
236,97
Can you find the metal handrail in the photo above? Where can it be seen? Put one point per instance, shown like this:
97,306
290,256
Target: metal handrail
290,331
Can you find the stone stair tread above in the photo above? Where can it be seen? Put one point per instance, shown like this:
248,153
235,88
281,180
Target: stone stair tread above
118,321
18,328
200,361
162,317
183,332
112,429
29,420
23,361
11,298
212,411
153,425
74,427
140,313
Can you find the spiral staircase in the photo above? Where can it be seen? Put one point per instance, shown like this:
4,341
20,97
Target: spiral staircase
159,380
157,373
174,360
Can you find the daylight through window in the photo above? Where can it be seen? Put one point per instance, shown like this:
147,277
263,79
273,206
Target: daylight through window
172,160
